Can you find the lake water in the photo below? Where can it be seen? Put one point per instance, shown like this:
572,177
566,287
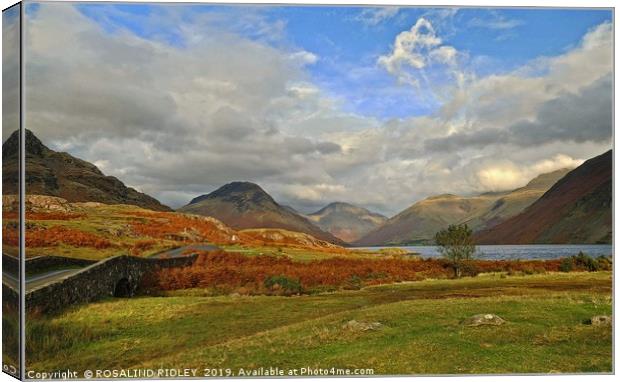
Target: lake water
513,252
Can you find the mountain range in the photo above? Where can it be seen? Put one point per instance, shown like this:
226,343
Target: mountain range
419,223
60,174
564,206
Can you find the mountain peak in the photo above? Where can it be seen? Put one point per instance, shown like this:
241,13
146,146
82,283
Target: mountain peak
62,175
346,221
244,205
34,146
547,179
235,190
338,205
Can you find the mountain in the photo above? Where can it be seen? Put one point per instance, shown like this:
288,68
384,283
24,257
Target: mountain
577,209
419,223
59,174
244,205
346,221
512,203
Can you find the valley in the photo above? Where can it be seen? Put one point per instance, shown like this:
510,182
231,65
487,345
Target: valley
265,270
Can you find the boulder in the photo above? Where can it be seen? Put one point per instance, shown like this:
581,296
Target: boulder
599,321
483,319
360,326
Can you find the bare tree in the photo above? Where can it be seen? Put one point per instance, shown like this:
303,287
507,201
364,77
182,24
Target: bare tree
456,244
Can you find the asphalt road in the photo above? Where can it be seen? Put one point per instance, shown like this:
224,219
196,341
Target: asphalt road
39,279
178,252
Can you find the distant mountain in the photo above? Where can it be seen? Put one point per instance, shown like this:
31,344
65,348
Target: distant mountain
512,203
577,209
419,223
244,205
346,221
59,174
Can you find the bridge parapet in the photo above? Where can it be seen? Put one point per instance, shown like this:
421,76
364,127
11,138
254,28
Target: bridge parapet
119,275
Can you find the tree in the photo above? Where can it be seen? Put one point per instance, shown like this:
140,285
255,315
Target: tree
456,244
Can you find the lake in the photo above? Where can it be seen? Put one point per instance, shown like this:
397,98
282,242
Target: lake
513,252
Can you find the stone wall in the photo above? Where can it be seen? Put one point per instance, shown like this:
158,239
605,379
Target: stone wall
97,281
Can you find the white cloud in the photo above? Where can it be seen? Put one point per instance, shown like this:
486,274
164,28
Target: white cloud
303,57
496,21
376,16
414,50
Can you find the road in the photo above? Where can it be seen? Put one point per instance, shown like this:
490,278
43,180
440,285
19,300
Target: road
178,252
37,280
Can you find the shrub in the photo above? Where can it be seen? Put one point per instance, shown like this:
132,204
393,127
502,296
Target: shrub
469,269
219,271
584,261
49,237
604,263
354,283
283,285
566,265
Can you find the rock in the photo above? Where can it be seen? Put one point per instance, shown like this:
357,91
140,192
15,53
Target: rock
599,321
483,319
359,326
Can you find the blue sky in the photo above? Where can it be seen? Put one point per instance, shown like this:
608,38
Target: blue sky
494,40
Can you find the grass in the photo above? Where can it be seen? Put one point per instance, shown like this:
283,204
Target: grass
421,333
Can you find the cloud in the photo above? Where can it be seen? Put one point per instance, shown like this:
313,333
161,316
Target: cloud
414,50
496,22
506,175
10,71
305,58
374,16
178,117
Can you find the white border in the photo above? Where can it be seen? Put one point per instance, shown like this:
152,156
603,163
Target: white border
420,3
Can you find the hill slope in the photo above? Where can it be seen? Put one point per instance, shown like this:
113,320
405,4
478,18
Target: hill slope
512,203
59,174
346,221
244,205
420,222
91,230
577,209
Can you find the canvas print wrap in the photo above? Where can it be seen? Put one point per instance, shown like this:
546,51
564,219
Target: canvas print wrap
301,191
11,268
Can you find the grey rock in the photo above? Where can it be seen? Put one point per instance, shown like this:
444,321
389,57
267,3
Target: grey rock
360,326
599,321
483,319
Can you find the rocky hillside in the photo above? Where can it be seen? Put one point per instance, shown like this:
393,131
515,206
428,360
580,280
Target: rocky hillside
346,221
92,230
59,174
577,209
244,205
419,223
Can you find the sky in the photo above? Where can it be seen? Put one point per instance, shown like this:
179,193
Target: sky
379,107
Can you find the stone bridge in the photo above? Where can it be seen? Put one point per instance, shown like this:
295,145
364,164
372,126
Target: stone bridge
116,276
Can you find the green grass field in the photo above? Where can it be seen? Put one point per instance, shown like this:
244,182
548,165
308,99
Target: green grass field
421,331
